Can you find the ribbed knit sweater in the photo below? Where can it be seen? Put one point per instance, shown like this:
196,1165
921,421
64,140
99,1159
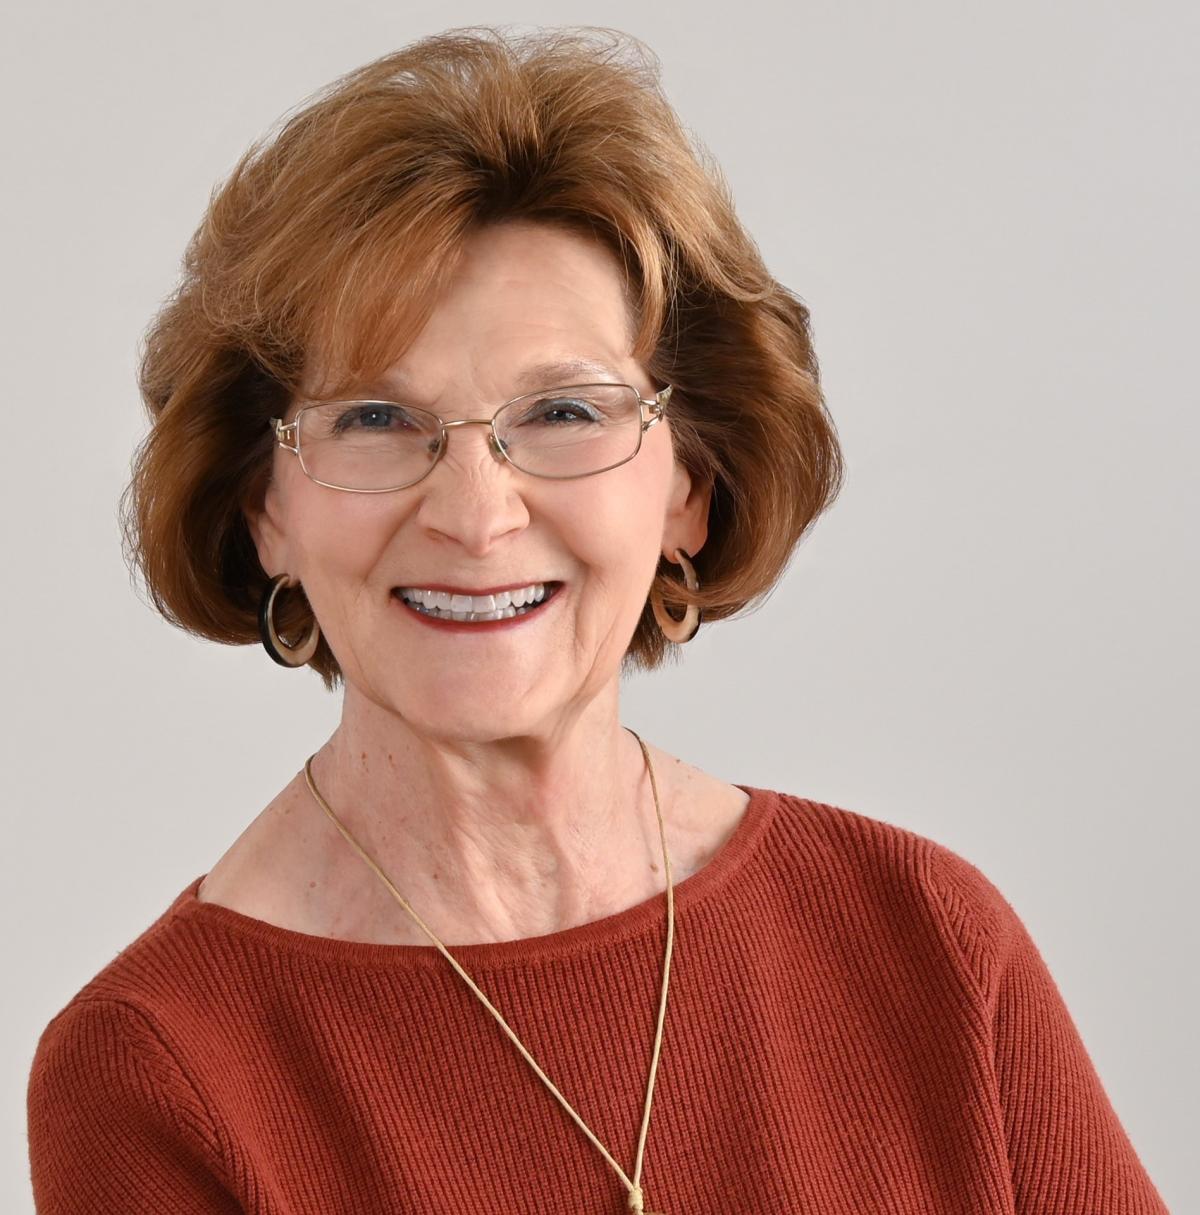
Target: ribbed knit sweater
858,1022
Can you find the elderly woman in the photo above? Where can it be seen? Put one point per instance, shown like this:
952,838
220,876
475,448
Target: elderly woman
475,395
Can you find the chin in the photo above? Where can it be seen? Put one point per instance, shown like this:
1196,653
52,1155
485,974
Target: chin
466,717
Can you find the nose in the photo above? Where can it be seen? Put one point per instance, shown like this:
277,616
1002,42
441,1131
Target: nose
471,500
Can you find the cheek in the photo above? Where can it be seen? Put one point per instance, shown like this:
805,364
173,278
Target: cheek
615,530
342,542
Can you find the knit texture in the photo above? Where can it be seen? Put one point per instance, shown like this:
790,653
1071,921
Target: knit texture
858,1022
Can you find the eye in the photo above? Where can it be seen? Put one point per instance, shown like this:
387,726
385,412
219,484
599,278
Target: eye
372,415
560,411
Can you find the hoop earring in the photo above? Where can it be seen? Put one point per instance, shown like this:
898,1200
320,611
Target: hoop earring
684,629
284,654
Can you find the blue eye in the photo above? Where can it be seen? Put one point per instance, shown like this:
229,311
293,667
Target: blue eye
369,416
561,411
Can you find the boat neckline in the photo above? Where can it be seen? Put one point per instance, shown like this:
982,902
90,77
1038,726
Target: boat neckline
608,930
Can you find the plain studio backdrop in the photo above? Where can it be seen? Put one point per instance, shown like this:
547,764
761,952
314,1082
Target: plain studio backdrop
990,638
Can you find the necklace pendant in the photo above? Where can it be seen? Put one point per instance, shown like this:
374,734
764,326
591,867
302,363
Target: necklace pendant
635,1204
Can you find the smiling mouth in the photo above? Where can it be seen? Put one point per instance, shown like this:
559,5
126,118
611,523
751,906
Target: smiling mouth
507,612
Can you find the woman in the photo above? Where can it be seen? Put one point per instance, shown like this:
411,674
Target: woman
474,396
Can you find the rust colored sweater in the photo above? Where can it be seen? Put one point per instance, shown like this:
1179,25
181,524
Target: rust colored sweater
858,1022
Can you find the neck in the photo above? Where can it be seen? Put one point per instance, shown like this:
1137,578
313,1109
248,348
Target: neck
489,839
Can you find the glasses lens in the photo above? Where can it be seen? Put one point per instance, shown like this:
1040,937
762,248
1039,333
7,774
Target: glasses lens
367,444
569,432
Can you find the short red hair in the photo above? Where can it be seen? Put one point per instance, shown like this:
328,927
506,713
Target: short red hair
333,237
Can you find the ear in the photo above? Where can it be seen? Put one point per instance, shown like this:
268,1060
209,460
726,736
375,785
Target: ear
265,523
686,522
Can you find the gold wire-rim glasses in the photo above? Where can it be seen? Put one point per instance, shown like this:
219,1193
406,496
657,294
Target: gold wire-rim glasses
657,404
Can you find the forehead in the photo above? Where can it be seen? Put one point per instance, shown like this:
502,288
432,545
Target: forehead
528,305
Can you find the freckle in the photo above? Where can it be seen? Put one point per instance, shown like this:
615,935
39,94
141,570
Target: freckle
391,759
435,875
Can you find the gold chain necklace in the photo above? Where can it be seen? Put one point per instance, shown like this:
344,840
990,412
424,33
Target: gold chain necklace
635,1190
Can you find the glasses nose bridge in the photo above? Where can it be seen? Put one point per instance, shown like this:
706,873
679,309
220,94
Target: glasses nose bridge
467,422
493,444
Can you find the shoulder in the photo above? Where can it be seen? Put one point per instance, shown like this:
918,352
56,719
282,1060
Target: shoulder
923,888
115,1038
101,1052
114,1115
107,1096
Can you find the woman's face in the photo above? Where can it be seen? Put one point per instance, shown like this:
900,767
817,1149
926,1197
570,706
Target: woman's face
524,295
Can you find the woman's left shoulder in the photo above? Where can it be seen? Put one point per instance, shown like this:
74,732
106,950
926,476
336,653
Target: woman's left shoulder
871,857
869,836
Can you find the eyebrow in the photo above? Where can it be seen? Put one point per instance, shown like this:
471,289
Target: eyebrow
554,373
562,371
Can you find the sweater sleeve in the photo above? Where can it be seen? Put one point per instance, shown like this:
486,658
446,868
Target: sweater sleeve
114,1124
1068,1151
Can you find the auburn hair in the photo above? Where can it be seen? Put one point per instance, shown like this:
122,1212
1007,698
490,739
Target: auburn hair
334,235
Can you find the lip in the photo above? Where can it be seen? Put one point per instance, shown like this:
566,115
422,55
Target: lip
491,590
482,626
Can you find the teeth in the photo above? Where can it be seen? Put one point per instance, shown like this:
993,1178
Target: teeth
477,604
472,603
474,607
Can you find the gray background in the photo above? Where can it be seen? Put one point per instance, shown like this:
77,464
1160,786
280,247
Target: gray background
990,639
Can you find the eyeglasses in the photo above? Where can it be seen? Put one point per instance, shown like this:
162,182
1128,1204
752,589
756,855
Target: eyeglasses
374,447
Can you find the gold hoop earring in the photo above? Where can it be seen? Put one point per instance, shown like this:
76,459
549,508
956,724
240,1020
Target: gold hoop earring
284,654
684,629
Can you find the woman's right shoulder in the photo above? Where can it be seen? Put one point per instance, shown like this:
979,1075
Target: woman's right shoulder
114,1120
